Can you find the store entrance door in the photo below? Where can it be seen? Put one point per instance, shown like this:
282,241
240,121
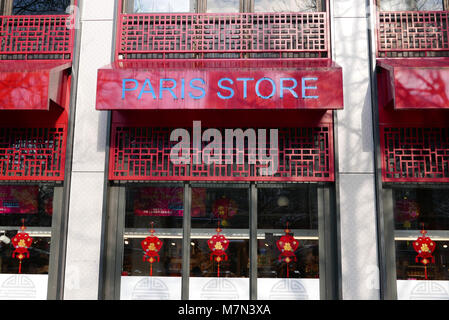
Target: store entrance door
230,241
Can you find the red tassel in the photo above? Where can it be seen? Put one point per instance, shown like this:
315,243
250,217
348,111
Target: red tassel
425,271
20,266
218,270
287,271
151,269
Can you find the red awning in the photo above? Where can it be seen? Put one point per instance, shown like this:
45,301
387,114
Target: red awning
220,84
415,83
30,85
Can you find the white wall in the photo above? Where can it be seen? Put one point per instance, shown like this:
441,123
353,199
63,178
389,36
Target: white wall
86,199
355,153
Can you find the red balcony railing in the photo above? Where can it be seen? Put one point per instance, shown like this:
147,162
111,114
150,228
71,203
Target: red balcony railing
206,35
412,33
38,37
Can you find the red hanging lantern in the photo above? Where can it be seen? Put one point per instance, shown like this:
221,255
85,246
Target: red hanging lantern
218,244
224,209
151,246
21,242
424,246
287,245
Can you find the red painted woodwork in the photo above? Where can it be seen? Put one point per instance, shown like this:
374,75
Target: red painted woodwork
417,83
203,35
412,33
120,86
36,54
143,154
37,37
30,85
414,142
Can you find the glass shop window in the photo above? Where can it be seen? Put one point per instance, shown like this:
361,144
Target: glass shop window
223,6
412,5
219,252
34,7
25,229
416,210
288,6
158,6
153,243
287,257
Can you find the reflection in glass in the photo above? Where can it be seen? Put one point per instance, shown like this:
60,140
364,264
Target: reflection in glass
153,6
414,207
287,6
411,5
287,211
228,209
31,7
157,209
222,6
32,207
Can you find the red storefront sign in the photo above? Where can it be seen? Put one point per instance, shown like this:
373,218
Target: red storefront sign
243,84
416,83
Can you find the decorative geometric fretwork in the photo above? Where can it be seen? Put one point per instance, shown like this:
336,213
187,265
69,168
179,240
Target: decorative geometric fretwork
415,154
37,37
32,153
139,153
229,35
413,33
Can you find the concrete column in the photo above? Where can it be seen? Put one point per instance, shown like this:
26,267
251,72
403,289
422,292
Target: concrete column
358,230
88,171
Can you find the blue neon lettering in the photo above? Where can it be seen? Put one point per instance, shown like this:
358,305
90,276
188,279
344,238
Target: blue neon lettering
273,91
197,88
170,89
245,85
142,91
282,88
124,89
304,88
225,88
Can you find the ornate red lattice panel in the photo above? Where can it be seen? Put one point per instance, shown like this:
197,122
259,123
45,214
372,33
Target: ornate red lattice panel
138,153
161,36
32,153
412,33
411,154
36,37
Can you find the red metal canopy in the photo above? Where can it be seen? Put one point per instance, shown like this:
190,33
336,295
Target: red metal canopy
415,83
30,85
220,84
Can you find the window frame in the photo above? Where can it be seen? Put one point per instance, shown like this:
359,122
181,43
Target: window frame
115,227
245,6
378,8
6,7
389,233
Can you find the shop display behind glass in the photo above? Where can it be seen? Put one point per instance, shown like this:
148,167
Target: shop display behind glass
416,209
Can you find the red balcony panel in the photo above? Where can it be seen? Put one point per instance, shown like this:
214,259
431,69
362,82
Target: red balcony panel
416,83
211,84
415,154
36,37
196,35
143,154
412,33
